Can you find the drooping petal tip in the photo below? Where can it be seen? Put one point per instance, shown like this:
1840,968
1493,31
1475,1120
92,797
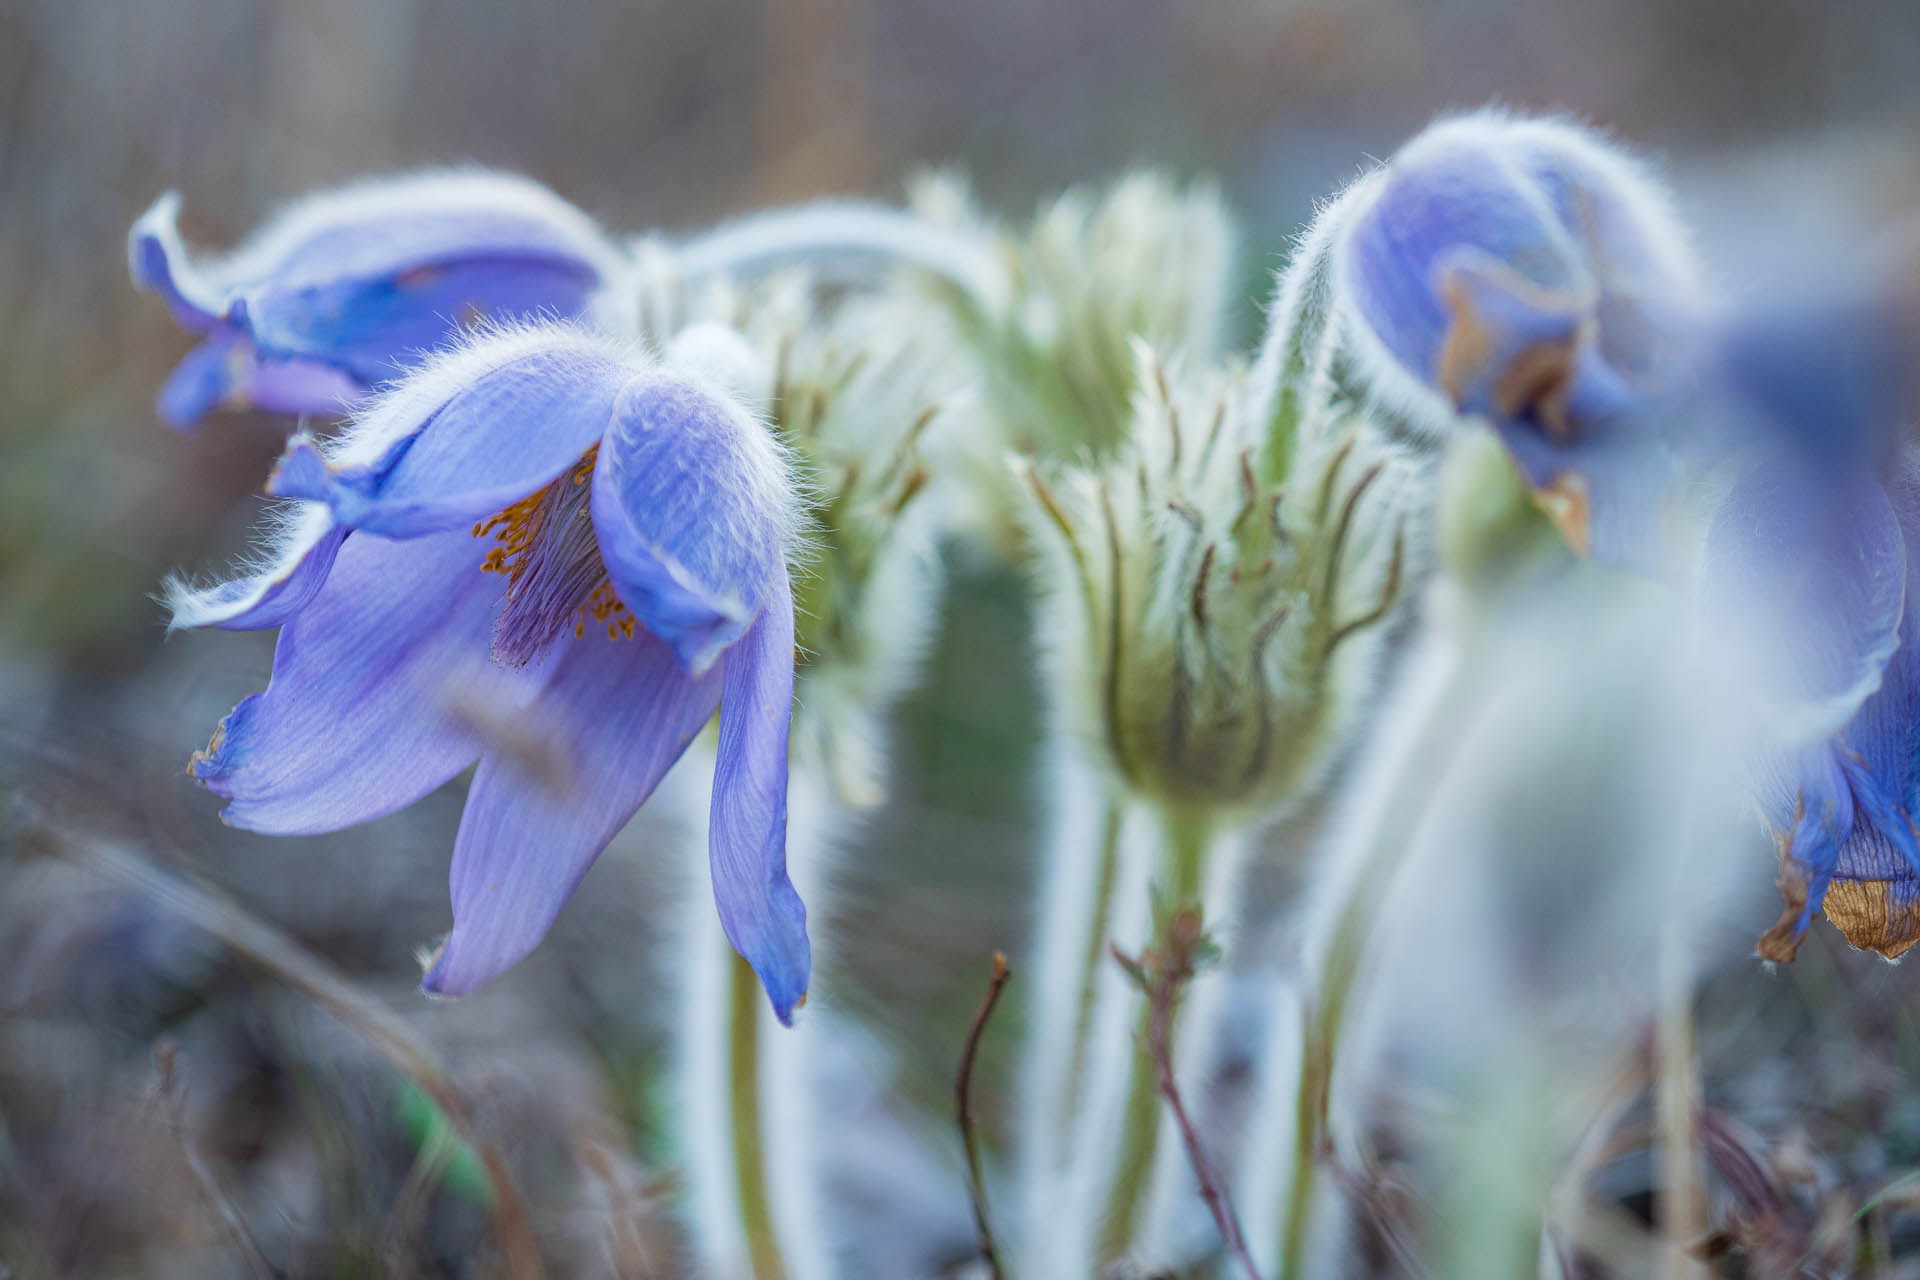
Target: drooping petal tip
273,589
160,264
760,911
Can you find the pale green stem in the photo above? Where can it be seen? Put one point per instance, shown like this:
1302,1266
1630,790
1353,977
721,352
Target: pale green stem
749,1142
1187,844
1095,956
1324,1013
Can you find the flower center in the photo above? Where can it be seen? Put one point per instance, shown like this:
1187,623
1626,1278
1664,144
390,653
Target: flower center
550,558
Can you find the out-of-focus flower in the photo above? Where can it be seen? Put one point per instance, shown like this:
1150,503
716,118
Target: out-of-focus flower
1841,809
1528,273
1811,551
339,293
1051,330
613,535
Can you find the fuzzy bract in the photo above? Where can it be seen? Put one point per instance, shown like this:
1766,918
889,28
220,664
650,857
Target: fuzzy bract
551,558
345,289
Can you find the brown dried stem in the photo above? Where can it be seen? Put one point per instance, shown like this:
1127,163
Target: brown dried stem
174,1098
262,944
1163,972
963,1109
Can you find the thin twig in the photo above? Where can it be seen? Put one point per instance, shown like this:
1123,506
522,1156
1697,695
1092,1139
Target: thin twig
962,1089
173,1097
1163,972
266,946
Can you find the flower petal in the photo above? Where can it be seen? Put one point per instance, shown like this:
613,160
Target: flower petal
383,228
160,264
623,712
365,279
760,910
472,432
227,372
368,328
690,503
288,578
358,721
1811,571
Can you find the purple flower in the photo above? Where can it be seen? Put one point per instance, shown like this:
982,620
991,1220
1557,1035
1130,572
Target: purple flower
548,556
337,294
1528,273
1811,554
1846,633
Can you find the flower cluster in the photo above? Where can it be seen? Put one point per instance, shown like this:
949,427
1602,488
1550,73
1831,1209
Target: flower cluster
586,495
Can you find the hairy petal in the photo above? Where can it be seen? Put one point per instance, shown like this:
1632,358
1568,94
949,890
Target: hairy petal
357,720
364,280
272,593
690,503
759,907
620,712
368,328
227,372
160,264
471,433
1812,569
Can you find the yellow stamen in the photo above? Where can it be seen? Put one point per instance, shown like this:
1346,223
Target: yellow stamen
519,529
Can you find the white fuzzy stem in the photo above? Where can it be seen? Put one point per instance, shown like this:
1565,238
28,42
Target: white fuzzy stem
1083,1074
1375,831
749,1141
1079,1041
1176,1228
841,228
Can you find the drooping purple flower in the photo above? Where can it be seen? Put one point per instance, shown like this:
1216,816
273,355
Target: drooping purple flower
1811,556
340,292
1528,273
1845,639
552,558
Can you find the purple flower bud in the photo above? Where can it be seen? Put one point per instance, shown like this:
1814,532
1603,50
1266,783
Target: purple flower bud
1527,273
344,289
536,530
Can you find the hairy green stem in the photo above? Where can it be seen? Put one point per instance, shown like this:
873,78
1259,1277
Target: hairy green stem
746,1130
1186,848
1093,960
1324,1012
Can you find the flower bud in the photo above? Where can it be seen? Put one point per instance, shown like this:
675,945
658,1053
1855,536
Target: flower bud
1527,273
1144,259
1218,632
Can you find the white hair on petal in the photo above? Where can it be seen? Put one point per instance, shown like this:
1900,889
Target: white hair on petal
456,190
408,403
1628,181
292,529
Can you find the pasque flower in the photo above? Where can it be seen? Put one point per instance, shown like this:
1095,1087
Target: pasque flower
1527,273
554,558
341,291
1812,553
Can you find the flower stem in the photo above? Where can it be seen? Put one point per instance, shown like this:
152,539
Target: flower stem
1107,876
749,1144
830,228
1186,846
1415,781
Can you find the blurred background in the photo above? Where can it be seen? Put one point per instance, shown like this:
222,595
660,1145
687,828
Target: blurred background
1768,115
